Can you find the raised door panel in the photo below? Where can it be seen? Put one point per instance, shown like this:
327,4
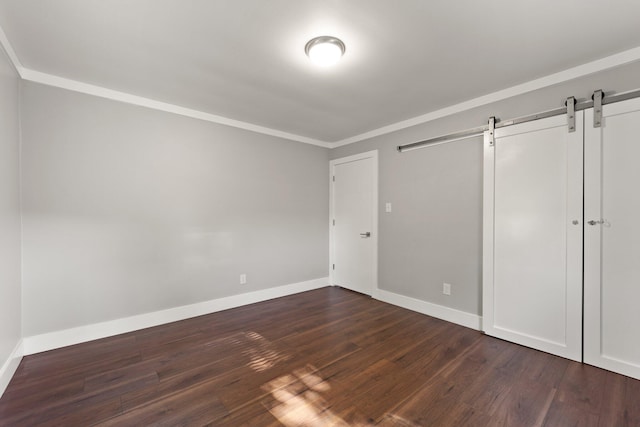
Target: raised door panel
612,240
532,292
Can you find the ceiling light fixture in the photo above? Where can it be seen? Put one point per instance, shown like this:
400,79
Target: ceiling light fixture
324,50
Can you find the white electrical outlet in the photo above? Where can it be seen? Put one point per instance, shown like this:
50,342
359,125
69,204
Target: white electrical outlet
446,288
387,207
243,279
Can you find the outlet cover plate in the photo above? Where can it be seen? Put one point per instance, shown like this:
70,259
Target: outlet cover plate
446,288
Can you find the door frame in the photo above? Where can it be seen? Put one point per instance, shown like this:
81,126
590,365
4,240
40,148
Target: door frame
373,155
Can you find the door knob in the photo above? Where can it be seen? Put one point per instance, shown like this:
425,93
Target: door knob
367,234
594,222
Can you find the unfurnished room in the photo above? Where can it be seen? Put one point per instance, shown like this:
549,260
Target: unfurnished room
319,213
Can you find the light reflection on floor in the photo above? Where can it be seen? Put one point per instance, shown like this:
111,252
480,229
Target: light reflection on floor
263,353
298,400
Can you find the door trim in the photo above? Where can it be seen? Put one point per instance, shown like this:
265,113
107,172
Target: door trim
374,213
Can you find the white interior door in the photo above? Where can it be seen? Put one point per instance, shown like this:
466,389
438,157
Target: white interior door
612,242
532,254
353,222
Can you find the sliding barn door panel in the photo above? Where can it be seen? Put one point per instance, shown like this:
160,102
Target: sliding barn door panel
612,239
533,247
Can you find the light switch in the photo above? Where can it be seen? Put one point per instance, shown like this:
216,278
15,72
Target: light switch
387,207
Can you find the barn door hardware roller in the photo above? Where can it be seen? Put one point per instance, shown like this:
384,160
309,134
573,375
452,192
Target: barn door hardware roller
570,107
570,103
492,130
597,108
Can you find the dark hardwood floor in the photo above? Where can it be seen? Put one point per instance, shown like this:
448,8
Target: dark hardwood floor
328,357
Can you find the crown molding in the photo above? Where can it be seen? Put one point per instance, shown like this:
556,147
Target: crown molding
11,54
77,86
609,62
616,60
102,92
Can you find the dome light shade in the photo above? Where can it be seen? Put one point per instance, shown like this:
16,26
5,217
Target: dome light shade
324,50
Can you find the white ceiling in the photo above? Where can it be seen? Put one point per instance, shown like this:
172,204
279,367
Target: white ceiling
244,59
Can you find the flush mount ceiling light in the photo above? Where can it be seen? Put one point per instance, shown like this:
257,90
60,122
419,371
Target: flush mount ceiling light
324,50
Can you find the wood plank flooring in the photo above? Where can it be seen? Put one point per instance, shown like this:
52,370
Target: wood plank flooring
328,357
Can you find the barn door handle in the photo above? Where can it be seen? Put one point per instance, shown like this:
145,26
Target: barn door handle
367,234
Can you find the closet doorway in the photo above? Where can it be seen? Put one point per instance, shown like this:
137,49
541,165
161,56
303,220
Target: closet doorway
552,197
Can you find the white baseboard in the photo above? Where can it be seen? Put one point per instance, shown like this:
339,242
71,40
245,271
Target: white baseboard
10,365
63,338
452,315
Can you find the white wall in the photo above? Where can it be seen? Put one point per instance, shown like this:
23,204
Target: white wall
128,210
10,305
434,233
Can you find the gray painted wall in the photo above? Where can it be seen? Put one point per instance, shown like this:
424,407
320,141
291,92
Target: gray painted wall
434,233
128,210
10,294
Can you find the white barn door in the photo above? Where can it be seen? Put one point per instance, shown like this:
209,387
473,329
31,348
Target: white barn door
612,239
532,243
